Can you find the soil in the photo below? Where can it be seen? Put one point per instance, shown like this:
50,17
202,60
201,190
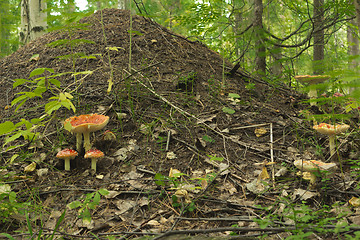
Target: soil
172,105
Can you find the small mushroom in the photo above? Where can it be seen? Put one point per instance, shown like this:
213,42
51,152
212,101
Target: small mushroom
109,136
84,124
67,154
312,80
94,154
313,167
331,131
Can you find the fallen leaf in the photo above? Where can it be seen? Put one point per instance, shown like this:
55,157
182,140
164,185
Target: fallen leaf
30,168
260,131
256,186
42,172
264,174
170,155
304,194
174,173
153,223
112,194
355,202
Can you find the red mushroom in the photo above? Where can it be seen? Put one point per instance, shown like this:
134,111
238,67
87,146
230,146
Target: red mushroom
67,154
84,124
331,131
94,154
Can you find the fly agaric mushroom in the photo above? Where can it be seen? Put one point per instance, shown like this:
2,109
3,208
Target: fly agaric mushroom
312,80
313,167
84,124
94,154
109,136
67,154
331,131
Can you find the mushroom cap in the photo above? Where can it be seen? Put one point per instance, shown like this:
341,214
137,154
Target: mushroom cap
109,136
87,123
94,153
314,165
312,79
329,129
67,153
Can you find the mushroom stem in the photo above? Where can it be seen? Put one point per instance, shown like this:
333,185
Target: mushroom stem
332,144
312,180
67,164
87,144
93,163
78,141
312,94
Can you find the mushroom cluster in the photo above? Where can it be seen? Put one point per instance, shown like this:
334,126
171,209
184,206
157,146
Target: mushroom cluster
83,125
331,131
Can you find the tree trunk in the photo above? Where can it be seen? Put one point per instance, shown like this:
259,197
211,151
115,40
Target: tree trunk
33,20
353,41
123,4
318,54
276,66
260,59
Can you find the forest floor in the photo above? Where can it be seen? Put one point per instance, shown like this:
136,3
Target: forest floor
173,110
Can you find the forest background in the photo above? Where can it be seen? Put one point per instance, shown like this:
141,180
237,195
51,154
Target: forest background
277,39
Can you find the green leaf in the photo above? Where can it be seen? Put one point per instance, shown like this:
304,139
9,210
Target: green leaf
37,71
103,191
74,204
13,157
68,126
68,95
39,91
215,158
62,97
12,138
96,199
207,138
234,95
228,110
68,104
160,179
20,104
18,99
19,82
7,235
6,127
52,106
55,82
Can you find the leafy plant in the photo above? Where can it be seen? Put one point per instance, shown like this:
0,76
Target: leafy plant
89,202
228,110
40,80
9,204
